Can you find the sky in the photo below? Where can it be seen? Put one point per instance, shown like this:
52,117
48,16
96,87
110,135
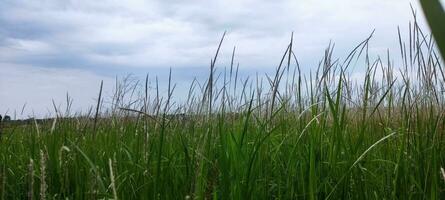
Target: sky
49,48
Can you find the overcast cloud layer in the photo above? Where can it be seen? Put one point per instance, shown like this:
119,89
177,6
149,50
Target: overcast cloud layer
51,47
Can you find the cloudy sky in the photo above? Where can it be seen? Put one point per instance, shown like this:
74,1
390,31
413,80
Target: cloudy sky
51,47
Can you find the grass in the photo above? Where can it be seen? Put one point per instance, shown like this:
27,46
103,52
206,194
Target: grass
320,135
435,16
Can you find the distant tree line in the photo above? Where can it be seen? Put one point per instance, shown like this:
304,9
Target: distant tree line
5,119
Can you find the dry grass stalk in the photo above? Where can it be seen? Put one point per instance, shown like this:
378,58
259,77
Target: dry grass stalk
31,179
43,185
443,173
113,184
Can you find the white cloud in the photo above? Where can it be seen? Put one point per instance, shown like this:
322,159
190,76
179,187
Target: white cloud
37,87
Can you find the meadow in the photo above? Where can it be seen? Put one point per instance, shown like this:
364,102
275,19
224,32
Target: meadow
327,134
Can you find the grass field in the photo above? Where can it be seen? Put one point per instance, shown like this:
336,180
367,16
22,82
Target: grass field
327,134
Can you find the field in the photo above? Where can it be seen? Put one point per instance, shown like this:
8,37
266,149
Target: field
327,134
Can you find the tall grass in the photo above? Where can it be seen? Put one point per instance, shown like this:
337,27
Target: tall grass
435,15
320,135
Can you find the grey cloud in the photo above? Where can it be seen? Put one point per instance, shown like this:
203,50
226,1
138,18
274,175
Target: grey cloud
151,34
102,38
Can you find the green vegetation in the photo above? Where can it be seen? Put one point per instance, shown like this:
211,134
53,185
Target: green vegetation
435,15
294,135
